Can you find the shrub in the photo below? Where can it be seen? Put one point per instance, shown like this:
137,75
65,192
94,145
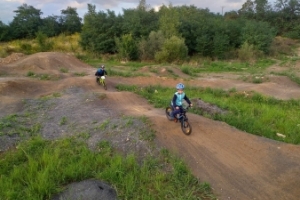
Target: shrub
258,34
246,52
44,45
173,49
148,48
26,48
127,47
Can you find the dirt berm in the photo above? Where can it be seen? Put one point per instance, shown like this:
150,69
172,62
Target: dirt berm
238,165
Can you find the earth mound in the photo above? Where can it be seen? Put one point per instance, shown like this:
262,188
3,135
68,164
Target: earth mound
44,62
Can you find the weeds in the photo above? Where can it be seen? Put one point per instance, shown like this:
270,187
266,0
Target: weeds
17,125
63,121
30,74
104,124
64,70
289,74
80,74
251,112
39,168
42,76
61,43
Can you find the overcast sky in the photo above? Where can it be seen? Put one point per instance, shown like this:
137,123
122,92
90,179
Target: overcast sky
54,7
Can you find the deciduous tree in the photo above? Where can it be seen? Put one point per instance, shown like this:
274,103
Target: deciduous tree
70,21
26,22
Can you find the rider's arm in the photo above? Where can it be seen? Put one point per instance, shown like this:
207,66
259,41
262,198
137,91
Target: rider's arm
187,100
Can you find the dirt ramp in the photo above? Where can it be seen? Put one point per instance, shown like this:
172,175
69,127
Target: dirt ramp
24,88
238,165
32,88
44,62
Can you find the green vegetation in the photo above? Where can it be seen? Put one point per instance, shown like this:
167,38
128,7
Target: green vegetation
38,169
61,43
171,34
250,111
197,40
64,70
223,66
63,121
80,74
30,74
16,124
42,76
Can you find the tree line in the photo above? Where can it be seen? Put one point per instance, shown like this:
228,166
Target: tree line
172,33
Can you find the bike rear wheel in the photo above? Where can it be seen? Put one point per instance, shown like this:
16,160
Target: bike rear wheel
169,113
186,127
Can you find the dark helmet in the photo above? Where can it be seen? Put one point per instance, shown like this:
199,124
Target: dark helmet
179,86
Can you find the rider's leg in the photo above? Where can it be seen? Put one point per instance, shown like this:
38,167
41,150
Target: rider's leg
175,112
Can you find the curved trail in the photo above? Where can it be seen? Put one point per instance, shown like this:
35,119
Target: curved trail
238,165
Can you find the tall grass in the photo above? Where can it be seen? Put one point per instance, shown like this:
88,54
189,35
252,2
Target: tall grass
38,169
250,112
61,43
225,66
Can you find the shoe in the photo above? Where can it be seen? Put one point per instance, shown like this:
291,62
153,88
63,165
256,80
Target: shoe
175,120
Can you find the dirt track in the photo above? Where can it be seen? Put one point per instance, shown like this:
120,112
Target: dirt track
238,165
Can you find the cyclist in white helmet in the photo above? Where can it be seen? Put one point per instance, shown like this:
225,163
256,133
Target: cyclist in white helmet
178,97
100,72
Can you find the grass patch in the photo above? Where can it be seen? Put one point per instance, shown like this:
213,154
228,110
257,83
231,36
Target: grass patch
38,169
80,74
64,70
30,74
290,74
225,66
44,77
114,62
61,43
63,121
250,112
17,125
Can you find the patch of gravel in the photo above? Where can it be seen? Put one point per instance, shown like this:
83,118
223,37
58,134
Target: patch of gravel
77,113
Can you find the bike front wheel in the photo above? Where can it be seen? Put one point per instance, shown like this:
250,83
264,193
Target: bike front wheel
104,85
186,127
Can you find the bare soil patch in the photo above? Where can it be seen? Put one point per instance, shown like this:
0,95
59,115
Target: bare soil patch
238,165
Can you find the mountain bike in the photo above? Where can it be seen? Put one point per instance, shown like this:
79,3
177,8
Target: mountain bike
101,81
182,118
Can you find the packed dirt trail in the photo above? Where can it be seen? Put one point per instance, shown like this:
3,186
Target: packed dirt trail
236,164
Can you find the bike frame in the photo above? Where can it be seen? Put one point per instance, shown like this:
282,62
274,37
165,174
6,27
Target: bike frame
101,81
183,119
